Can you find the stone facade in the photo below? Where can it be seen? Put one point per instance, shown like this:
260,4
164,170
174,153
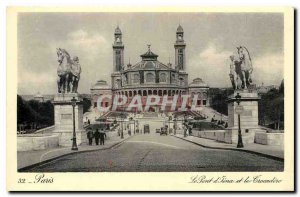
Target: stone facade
63,119
150,76
276,139
249,116
37,142
198,87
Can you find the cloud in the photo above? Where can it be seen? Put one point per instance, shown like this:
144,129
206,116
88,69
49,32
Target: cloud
211,65
93,43
268,69
32,82
92,49
84,44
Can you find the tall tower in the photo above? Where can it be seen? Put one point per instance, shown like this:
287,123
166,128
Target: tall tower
118,51
179,49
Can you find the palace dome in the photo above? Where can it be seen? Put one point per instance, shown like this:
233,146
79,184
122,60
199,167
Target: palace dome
101,84
149,61
198,82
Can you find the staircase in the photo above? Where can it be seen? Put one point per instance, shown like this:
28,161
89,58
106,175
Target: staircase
211,113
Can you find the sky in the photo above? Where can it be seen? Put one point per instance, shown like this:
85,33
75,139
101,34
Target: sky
210,39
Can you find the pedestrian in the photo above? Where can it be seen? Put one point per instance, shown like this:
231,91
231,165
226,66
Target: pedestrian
102,136
97,136
90,136
190,130
185,131
89,122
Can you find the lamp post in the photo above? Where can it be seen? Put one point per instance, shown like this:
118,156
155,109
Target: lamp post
185,126
122,133
170,118
239,110
122,120
175,125
74,143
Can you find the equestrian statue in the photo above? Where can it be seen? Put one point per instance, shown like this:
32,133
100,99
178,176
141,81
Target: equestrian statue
68,72
241,69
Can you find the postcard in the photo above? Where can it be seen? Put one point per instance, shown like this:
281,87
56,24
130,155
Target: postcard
150,99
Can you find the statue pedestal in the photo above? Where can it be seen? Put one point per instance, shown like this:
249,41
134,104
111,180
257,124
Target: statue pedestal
63,117
249,116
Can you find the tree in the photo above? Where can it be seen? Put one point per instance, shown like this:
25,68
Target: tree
218,99
271,108
86,104
34,114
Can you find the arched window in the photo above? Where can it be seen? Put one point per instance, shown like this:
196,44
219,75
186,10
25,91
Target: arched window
118,60
181,81
163,77
136,78
159,92
150,77
173,79
145,93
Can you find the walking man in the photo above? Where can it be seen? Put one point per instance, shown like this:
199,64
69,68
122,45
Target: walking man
90,136
102,136
97,136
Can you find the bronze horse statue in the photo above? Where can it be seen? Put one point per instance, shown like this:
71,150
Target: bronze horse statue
246,67
241,69
68,72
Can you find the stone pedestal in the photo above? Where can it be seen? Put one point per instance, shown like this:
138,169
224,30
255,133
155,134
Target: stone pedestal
249,116
63,117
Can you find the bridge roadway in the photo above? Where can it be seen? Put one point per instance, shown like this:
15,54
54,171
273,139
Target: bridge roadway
154,153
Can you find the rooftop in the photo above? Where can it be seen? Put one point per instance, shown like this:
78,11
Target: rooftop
179,29
149,55
118,30
101,84
198,82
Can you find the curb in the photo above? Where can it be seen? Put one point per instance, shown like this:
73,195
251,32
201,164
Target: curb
23,169
234,149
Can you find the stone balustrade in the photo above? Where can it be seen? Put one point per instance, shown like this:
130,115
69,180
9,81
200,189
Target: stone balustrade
29,142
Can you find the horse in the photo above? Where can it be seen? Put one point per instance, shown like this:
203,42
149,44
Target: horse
244,66
64,70
235,73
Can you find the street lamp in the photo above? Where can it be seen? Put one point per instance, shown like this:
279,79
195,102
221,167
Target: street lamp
239,110
122,132
175,125
185,126
74,143
169,121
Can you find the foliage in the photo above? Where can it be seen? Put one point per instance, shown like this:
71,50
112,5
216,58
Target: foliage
34,114
201,126
271,108
86,104
218,99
